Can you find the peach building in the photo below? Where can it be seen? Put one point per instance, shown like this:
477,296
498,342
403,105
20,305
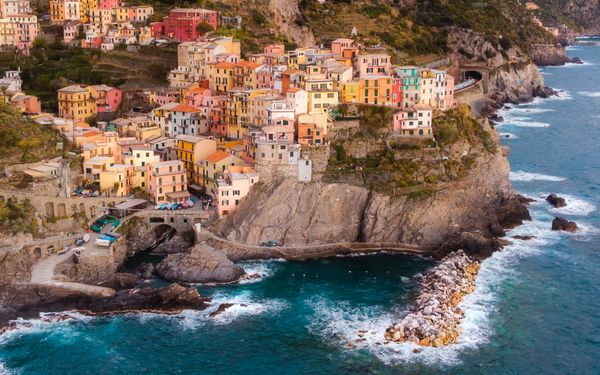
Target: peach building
233,186
167,182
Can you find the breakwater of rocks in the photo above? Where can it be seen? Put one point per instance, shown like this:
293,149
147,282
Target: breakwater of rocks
434,318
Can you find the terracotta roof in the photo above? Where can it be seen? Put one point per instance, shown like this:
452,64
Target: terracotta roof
224,64
248,64
218,156
198,90
186,108
92,133
294,89
291,71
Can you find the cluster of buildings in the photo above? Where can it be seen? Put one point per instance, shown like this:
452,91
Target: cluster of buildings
10,92
18,25
101,24
225,122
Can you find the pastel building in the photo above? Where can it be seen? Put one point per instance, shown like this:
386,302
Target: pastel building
232,186
77,102
182,23
167,182
210,168
193,149
414,121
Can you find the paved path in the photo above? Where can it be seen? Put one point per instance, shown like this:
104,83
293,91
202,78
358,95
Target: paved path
43,273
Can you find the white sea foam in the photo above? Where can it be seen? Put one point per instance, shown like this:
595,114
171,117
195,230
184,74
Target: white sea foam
339,323
524,122
575,206
4,370
590,94
243,305
264,269
527,110
529,176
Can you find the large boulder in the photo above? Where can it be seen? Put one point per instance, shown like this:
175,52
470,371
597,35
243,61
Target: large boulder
177,244
202,264
556,201
512,211
563,224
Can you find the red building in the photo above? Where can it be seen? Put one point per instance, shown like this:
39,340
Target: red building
182,23
108,4
397,92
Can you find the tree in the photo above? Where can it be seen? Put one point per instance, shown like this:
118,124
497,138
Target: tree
204,28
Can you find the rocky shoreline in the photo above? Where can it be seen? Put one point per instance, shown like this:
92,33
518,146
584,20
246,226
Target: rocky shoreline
434,318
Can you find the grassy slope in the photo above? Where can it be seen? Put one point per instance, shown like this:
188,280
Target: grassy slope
22,140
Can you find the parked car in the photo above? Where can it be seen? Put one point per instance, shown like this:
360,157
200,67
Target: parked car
269,243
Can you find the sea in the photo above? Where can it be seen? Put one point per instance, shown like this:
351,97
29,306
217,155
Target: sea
535,310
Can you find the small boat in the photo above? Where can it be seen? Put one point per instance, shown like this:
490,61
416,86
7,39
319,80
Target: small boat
103,243
86,238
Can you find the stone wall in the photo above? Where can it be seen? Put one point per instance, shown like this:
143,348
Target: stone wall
56,207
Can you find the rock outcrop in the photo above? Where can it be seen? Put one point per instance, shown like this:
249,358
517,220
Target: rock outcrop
202,264
27,301
434,318
563,224
295,213
548,54
556,201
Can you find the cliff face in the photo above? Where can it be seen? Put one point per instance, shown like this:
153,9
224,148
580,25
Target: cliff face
548,55
313,213
513,76
582,13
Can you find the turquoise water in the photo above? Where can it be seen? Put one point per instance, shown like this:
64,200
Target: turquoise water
536,308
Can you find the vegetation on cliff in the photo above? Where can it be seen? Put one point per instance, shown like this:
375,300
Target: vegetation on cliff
23,140
457,124
17,218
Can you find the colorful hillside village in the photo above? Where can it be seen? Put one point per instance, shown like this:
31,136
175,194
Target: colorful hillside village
224,122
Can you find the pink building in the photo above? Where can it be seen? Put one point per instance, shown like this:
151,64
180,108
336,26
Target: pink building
265,77
274,49
108,4
26,103
414,122
182,23
196,96
234,185
108,98
339,45
167,182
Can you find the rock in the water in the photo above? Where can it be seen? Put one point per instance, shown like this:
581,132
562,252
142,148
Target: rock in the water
124,281
202,264
146,271
512,212
575,60
556,201
221,309
177,244
563,224
524,238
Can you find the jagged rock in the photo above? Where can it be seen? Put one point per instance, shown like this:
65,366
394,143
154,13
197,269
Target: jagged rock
524,238
202,264
563,224
556,201
123,281
575,60
221,309
146,271
473,243
497,230
176,244
511,212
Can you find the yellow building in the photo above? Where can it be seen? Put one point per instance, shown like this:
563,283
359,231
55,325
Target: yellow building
321,94
8,32
237,110
191,149
245,75
86,7
211,167
117,180
77,102
139,156
351,92
221,77
57,11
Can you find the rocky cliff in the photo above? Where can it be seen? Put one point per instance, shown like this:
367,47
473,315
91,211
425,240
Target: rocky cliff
296,213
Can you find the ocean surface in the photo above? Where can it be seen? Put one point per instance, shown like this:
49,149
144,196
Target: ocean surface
536,308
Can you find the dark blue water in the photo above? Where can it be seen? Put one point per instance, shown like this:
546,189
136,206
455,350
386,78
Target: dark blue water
536,308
